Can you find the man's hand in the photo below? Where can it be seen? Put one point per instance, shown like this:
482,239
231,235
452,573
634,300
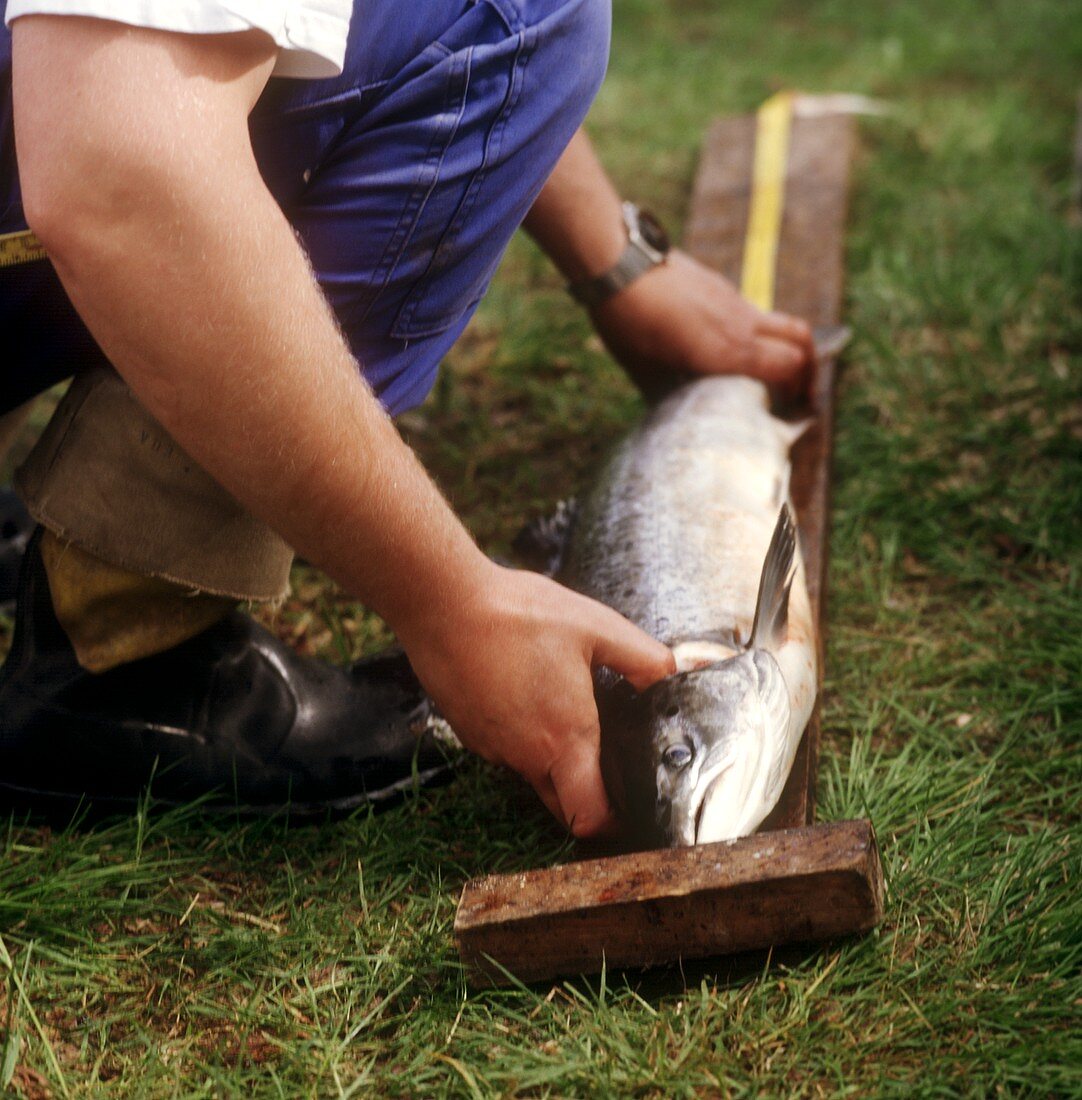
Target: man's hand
678,320
683,319
512,674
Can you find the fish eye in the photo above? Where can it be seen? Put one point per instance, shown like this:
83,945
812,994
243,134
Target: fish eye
677,756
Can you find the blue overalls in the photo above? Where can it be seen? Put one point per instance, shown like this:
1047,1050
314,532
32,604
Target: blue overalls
404,177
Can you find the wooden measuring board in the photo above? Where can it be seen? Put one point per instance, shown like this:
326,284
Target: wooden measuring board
808,282
792,881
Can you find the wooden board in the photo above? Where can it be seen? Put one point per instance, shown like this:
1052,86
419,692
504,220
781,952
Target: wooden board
809,282
788,883
650,908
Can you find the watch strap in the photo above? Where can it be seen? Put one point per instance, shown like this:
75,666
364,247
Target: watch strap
647,247
633,262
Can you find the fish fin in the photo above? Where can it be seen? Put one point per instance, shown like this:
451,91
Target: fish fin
542,544
831,340
779,566
792,430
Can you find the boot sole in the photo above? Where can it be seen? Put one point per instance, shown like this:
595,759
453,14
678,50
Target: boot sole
13,796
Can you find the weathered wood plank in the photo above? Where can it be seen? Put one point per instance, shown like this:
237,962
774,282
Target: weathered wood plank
650,908
810,275
809,283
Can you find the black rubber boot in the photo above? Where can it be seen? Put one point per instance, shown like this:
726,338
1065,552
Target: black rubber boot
233,713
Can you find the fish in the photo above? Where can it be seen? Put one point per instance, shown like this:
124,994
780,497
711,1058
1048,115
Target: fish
690,533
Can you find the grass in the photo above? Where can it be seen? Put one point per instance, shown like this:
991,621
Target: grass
176,956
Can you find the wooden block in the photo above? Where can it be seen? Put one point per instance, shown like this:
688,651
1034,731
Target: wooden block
809,283
650,908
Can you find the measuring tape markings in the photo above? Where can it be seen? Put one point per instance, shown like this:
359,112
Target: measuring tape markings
20,248
773,125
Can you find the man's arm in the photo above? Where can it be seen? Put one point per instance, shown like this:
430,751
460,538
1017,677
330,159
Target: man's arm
680,318
138,176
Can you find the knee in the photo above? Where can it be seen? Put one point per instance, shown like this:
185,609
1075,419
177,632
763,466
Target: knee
577,43
568,57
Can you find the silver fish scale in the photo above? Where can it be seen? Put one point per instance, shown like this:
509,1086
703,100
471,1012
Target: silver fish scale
649,538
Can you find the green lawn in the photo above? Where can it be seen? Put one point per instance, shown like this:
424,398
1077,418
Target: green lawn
169,956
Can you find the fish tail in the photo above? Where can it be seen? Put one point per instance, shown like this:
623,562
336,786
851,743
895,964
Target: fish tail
792,430
771,624
830,341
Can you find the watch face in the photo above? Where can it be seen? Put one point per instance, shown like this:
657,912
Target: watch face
653,232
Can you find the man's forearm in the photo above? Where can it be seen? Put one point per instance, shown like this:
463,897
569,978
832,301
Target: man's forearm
191,280
576,219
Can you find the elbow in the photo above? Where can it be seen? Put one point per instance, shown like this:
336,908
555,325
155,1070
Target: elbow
85,187
85,211
88,152
59,205
51,211
71,207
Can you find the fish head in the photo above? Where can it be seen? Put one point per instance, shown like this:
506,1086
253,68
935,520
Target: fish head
717,735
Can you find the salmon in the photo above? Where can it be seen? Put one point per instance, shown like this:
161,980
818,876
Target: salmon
689,532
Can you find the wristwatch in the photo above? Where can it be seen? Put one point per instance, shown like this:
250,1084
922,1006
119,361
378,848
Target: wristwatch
647,246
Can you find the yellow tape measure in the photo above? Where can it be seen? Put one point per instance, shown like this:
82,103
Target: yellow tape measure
20,248
773,123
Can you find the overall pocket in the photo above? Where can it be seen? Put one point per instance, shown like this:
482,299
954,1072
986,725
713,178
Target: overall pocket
443,270
420,180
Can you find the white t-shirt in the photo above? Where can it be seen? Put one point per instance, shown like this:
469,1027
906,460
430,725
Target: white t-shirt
311,34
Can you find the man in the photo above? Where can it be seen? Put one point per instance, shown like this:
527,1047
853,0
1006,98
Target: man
169,179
